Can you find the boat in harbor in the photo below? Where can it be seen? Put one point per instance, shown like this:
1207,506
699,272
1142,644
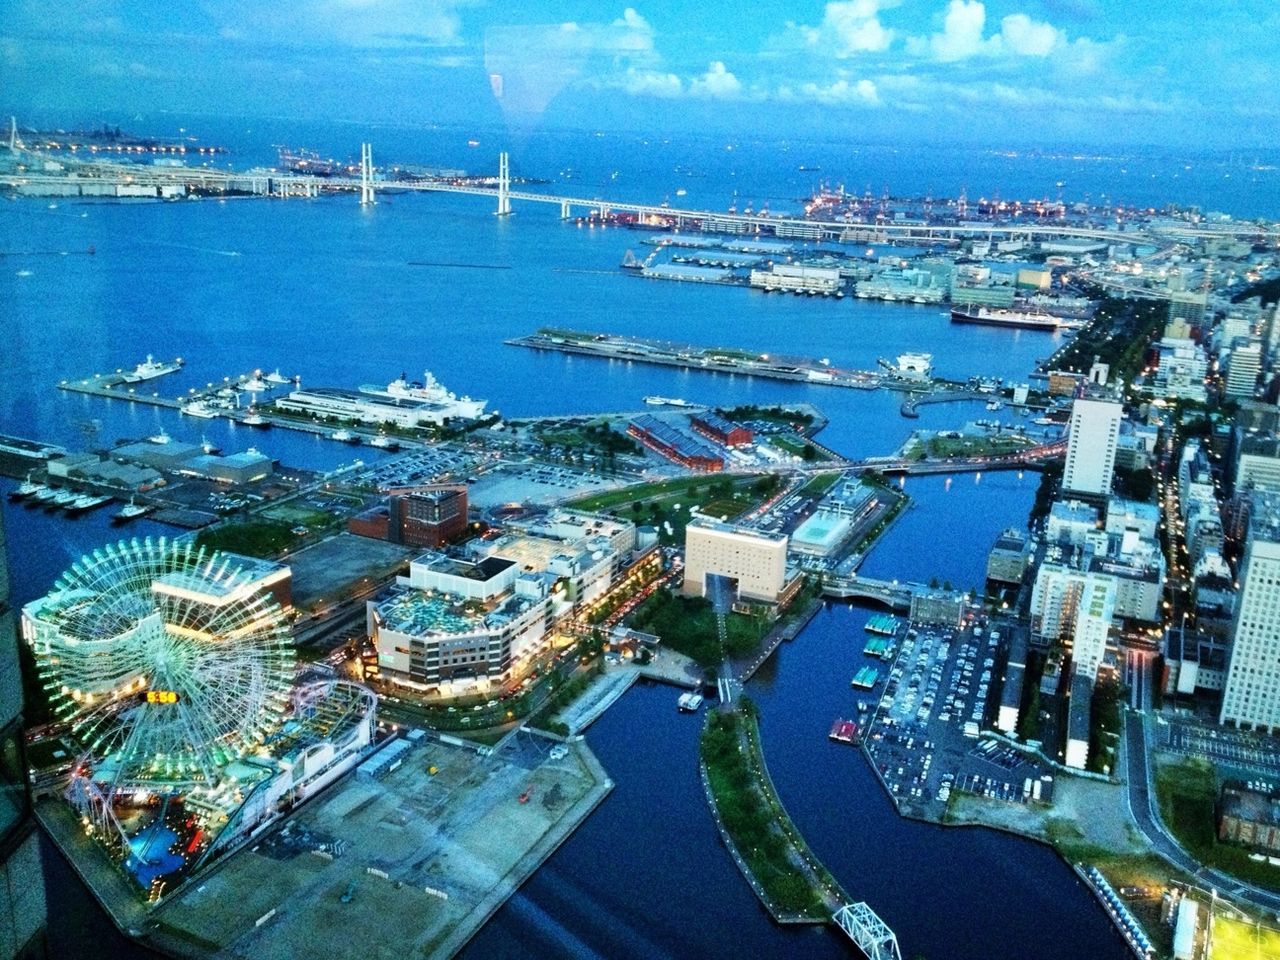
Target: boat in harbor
198,408
86,502
254,419
41,494
431,391
844,731
277,377
255,384
161,438
131,511
343,435
383,442
689,702
61,498
1017,319
149,369
209,447
24,489
667,402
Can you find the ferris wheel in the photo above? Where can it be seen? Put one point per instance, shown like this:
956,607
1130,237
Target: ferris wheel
169,661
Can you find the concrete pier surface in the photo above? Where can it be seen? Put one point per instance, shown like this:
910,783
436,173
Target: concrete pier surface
411,865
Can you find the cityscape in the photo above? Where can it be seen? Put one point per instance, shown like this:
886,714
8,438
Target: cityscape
524,530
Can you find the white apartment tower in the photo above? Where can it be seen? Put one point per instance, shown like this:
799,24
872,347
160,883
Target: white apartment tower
1251,695
1091,447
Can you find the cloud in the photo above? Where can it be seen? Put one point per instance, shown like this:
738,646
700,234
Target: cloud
716,84
963,36
849,27
650,83
1027,38
839,93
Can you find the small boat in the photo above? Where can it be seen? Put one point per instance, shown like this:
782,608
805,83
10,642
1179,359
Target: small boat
276,377
24,489
667,402
343,435
162,437
255,419
689,702
131,511
41,494
62,498
198,408
383,442
255,384
209,447
844,731
87,502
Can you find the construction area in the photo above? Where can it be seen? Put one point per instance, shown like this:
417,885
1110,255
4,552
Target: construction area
406,858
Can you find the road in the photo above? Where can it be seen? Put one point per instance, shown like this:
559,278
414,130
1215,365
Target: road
1142,807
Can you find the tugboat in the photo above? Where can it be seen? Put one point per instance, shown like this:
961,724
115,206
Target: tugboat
343,435
131,511
383,442
24,490
254,419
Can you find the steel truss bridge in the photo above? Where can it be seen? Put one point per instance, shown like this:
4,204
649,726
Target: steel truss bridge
868,931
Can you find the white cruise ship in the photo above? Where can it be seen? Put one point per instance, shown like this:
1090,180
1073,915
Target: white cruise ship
431,391
149,369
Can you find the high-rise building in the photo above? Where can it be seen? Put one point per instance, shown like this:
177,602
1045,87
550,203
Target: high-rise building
1251,696
1091,448
757,562
1243,368
22,902
1188,306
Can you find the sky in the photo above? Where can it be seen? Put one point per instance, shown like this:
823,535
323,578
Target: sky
1179,73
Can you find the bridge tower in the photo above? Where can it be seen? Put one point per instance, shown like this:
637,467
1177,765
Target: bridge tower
504,185
868,931
564,209
366,175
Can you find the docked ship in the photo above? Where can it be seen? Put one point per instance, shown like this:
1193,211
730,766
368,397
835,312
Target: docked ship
383,442
343,435
911,366
308,162
149,369
1020,319
198,408
254,419
432,391
667,402
277,377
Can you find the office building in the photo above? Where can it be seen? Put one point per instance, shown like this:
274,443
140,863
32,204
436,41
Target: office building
756,561
1091,447
1243,368
428,517
1251,697
1188,307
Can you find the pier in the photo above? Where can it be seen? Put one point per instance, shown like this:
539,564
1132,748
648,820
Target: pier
689,357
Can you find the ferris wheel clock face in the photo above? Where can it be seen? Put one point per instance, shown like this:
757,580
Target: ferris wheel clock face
170,662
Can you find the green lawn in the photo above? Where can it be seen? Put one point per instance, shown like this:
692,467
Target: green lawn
254,538
671,501
688,625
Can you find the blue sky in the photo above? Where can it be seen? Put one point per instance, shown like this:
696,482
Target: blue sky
1184,73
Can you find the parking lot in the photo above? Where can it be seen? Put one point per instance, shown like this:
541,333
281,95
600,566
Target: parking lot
440,463
925,735
1247,752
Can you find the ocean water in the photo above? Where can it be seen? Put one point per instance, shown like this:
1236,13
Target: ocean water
330,292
